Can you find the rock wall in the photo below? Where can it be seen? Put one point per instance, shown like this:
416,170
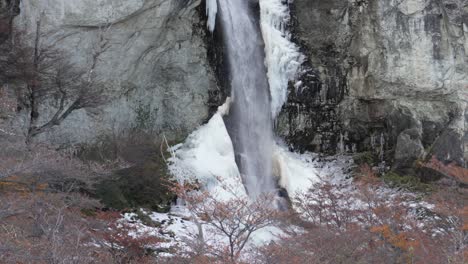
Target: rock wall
388,76
384,76
156,71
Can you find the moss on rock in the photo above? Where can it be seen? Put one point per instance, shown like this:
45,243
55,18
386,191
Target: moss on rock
364,158
408,182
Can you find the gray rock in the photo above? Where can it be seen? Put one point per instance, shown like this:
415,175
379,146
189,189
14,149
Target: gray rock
156,71
449,147
408,150
384,67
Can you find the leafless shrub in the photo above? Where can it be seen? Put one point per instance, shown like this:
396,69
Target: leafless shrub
46,228
233,222
42,74
47,168
364,225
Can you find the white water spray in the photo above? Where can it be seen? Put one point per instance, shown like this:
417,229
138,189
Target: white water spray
249,122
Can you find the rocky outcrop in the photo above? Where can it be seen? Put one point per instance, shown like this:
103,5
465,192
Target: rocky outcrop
383,68
155,72
408,149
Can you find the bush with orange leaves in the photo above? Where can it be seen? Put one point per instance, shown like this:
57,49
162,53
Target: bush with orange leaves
451,170
340,224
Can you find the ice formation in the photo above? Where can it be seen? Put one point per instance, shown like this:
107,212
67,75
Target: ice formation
296,172
283,58
208,157
208,153
211,10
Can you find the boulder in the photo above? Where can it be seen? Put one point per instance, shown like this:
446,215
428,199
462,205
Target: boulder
408,150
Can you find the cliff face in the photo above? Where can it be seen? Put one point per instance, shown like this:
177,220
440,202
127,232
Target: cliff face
384,76
392,77
155,70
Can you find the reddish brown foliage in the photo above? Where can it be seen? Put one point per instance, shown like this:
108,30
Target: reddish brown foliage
380,230
460,174
234,219
367,176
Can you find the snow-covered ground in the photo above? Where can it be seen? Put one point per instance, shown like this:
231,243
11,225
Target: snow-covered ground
299,171
175,229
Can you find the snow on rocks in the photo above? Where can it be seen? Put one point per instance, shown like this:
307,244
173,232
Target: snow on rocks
298,172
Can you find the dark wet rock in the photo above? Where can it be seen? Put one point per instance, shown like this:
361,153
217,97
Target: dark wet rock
382,69
408,150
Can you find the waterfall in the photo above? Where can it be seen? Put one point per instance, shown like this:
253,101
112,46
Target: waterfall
249,122
236,148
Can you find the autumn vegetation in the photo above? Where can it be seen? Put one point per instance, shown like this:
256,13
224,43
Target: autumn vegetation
48,214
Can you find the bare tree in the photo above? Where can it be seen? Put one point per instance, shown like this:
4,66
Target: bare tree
233,221
44,74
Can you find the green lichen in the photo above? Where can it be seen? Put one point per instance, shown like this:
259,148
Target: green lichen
145,117
88,212
364,158
407,182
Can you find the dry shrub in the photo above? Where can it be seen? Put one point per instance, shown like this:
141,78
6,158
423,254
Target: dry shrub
367,176
452,170
45,228
343,225
121,242
231,222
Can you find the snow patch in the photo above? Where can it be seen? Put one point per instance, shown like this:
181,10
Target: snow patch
176,229
283,58
298,172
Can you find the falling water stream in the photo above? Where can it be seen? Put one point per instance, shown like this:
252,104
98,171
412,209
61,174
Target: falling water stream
249,122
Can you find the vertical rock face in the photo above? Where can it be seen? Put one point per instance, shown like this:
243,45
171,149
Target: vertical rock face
382,67
155,71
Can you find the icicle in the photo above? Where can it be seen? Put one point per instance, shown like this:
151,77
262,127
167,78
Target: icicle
354,148
211,11
341,146
382,145
372,141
